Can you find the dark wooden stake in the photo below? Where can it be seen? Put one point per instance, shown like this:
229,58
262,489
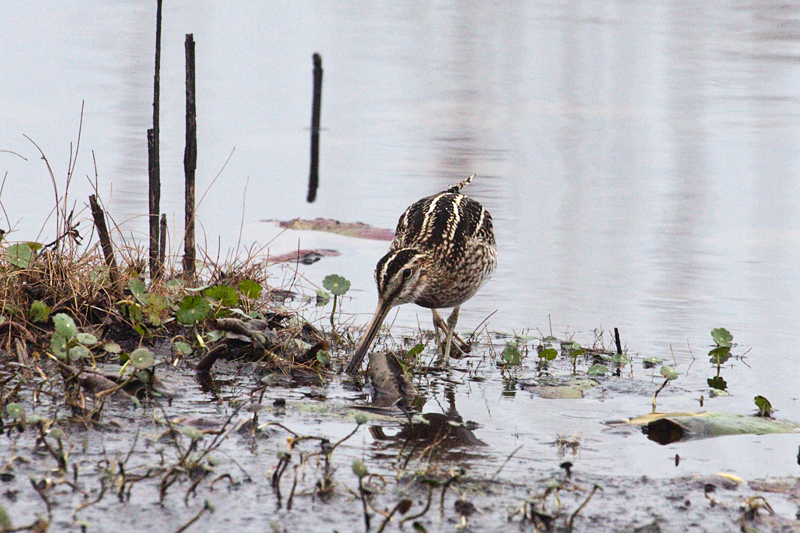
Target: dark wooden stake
616,339
162,246
313,178
105,240
189,162
154,166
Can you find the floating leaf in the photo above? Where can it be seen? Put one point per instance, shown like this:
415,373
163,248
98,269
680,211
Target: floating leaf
721,336
142,358
87,339
653,360
511,354
224,294
548,354
182,349
65,326
717,383
39,312
192,432
250,289
620,359
669,373
15,410
336,284
764,407
597,370
192,309
21,255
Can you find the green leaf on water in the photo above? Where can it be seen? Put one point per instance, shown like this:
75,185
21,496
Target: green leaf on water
250,289
721,336
139,290
39,312
717,383
142,358
224,294
22,255
597,370
548,354
65,326
620,359
192,309
669,373
192,432
511,354
15,410
653,360
764,407
336,284
415,351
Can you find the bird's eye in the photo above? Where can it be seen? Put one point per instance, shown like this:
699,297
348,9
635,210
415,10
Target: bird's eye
406,273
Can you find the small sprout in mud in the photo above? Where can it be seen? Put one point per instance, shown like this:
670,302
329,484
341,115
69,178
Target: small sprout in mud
722,337
142,358
15,411
764,407
597,370
359,468
250,289
338,287
511,355
361,419
39,312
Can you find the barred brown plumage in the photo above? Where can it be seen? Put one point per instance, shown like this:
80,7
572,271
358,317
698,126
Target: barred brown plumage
442,252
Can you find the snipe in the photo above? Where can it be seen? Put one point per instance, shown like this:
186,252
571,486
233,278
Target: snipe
442,252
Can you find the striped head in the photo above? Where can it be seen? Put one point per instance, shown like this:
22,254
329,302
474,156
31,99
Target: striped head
402,276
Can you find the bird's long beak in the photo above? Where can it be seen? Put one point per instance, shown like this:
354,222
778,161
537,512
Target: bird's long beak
369,336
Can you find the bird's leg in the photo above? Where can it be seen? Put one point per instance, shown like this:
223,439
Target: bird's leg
439,325
451,327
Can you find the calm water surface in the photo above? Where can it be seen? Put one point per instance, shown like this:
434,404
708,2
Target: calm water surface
639,160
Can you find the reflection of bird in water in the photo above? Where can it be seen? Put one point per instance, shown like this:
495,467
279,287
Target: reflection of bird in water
442,252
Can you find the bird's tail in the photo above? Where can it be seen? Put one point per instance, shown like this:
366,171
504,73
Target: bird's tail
456,188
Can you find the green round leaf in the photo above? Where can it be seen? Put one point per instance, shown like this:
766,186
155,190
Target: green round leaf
87,339
15,410
361,419
250,289
192,432
548,354
717,383
79,352
324,357
721,336
359,468
192,309
56,433
764,407
65,326
21,255
336,284
224,294
597,370
669,373
112,347
182,348
142,358
511,355
58,345
139,290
